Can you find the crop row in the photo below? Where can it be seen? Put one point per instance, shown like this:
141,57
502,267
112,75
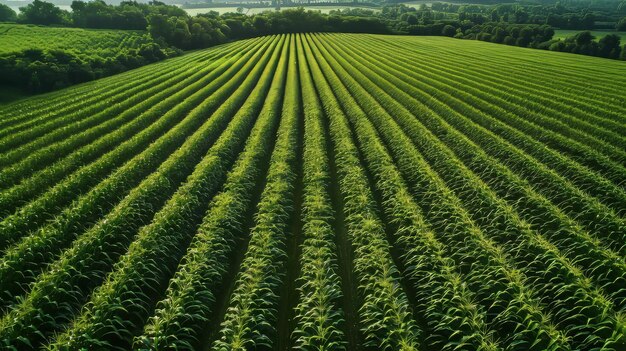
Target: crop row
496,216
95,251
501,178
180,318
318,192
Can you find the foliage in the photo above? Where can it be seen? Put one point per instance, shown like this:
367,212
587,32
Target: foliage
38,59
584,43
7,14
171,26
321,192
42,12
621,25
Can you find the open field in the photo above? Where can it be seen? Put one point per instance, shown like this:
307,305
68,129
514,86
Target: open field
321,191
100,42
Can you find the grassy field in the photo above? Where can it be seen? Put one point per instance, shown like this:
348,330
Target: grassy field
564,33
101,42
321,191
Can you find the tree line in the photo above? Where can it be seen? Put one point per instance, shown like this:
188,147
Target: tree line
577,15
170,30
172,26
472,23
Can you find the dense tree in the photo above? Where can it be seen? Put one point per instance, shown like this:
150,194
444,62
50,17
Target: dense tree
159,26
484,36
126,15
412,20
448,30
609,46
495,16
584,38
525,37
521,16
510,34
41,12
499,34
97,14
49,68
7,14
571,21
37,70
194,32
621,25
584,43
558,45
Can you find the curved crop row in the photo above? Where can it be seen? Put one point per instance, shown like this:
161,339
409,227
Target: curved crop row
493,215
45,152
319,316
502,74
94,253
250,319
184,315
588,211
109,152
34,213
528,250
89,105
582,177
320,192
523,105
23,262
588,253
385,313
118,310
452,324
440,204
524,196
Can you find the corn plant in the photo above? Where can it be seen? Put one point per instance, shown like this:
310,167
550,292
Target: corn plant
319,315
119,308
29,255
319,192
95,252
385,312
567,235
180,319
251,315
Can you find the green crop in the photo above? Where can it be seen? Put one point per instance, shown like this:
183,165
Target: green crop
320,192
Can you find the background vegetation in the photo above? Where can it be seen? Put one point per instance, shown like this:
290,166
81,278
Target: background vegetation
38,59
170,29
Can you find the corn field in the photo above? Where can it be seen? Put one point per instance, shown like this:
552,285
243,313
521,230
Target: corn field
320,192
